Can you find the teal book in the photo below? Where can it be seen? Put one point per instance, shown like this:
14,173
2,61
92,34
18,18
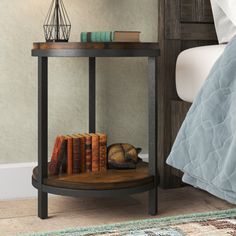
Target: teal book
106,36
110,36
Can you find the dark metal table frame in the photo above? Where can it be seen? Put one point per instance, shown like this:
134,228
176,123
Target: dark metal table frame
43,55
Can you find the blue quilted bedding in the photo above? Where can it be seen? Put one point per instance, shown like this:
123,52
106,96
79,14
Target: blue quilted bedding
205,147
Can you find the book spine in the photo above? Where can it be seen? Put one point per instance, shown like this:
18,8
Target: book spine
69,156
62,156
103,152
82,166
95,153
76,155
105,36
83,37
53,163
63,169
88,153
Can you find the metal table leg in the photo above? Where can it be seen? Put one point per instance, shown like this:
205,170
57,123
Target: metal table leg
42,134
153,201
92,94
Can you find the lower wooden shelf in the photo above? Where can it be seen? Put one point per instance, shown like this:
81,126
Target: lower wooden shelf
137,179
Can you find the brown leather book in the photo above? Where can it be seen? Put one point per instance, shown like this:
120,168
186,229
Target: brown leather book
53,165
62,156
76,154
126,36
102,151
69,155
82,163
88,152
95,152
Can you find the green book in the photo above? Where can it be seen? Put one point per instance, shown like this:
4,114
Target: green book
106,36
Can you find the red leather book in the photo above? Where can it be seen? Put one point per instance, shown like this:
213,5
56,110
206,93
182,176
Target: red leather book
88,152
76,154
62,156
95,152
69,155
54,159
102,151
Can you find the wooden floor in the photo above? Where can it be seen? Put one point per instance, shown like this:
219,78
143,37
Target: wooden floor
20,216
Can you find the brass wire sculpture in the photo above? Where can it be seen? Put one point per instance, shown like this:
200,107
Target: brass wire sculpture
57,25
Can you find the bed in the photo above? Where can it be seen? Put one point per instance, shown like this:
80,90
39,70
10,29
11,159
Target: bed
182,24
189,49
204,148
192,68
194,65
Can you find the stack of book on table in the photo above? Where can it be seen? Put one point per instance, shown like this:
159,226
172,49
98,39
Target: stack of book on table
111,36
79,153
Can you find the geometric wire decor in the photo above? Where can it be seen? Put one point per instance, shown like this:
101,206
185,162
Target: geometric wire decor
57,24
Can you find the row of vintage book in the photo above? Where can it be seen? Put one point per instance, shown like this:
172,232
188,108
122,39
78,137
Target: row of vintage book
79,153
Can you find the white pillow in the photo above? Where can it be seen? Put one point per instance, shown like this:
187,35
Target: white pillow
224,12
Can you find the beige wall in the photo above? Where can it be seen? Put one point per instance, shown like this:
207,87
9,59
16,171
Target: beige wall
121,83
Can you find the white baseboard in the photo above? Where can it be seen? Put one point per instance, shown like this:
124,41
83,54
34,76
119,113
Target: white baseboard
144,157
15,180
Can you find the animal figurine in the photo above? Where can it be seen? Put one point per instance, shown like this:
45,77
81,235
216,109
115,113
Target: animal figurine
123,156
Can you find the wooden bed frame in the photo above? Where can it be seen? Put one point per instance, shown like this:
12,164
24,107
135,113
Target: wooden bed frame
182,24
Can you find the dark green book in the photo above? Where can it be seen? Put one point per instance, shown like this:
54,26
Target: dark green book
110,36
105,36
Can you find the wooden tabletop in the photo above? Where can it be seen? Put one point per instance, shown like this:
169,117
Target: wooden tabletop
113,49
